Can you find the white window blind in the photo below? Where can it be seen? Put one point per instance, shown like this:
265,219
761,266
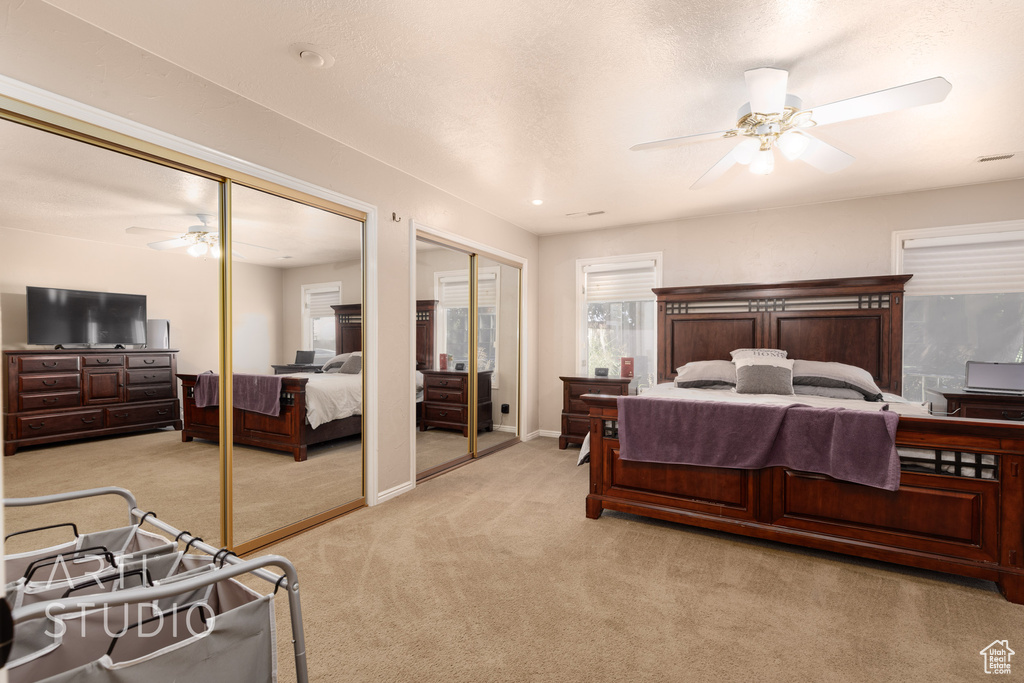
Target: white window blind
620,282
984,263
455,291
319,301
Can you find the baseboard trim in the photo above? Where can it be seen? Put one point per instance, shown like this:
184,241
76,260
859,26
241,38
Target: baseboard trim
395,491
505,428
548,433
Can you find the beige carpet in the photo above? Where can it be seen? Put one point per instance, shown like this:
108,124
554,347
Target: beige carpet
180,481
492,573
437,446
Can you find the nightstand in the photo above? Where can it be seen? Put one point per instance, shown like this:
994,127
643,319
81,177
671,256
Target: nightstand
985,406
446,401
575,413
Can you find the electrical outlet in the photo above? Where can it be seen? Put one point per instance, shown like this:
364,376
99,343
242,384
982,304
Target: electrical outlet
504,409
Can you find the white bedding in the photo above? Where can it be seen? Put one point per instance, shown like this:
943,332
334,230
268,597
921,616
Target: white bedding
331,396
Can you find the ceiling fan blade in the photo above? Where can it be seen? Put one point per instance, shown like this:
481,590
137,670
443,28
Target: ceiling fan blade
682,140
901,97
168,244
767,88
824,156
136,230
716,171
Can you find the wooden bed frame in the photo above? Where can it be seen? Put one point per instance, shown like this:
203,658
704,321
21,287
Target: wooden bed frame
966,525
288,432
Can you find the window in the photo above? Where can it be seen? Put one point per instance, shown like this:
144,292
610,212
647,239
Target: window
617,315
452,292
318,318
965,302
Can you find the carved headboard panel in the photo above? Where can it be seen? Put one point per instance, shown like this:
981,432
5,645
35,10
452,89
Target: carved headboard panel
858,321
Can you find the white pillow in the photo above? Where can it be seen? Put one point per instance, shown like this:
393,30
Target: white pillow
336,362
758,353
706,373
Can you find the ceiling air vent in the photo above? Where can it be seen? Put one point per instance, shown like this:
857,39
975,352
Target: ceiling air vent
583,214
996,157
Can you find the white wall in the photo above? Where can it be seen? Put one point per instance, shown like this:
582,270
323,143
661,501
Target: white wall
837,239
50,49
349,274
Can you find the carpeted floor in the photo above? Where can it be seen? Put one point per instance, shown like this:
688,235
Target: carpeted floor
493,573
437,446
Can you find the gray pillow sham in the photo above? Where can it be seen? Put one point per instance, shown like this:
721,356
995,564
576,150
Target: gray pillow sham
706,373
352,366
336,362
838,375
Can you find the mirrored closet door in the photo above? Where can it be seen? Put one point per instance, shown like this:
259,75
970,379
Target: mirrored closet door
105,303
497,354
297,347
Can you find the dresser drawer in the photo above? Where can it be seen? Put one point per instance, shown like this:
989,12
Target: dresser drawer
128,415
149,376
37,383
161,360
56,399
983,411
48,364
452,382
444,413
445,395
100,361
59,423
150,392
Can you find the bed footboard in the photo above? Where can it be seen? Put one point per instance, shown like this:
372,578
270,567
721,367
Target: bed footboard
961,512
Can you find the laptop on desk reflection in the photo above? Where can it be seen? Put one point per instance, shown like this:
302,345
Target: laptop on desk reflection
304,357
994,378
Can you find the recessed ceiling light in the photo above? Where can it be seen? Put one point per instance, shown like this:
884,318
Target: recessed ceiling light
312,55
537,202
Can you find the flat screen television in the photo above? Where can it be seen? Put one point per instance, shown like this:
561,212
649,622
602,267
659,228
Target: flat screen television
71,316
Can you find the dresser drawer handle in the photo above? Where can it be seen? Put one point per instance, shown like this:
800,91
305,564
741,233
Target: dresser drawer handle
444,396
41,425
49,365
102,361
443,383
163,412
1006,415
49,400
149,361
120,415
49,383
443,414
149,377
88,420
150,392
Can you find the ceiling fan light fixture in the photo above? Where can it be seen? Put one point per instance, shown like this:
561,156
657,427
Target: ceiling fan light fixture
215,251
198,249
763,163
792,145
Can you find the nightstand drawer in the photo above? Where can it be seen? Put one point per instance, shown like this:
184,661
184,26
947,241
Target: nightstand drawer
443,413
575,426
445,395
577,389
992,412
445,381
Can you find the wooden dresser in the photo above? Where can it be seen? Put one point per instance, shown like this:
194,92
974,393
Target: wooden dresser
60,395
446,401
985,406
575,414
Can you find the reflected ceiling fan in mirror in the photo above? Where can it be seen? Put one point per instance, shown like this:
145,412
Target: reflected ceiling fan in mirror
201,240
774,119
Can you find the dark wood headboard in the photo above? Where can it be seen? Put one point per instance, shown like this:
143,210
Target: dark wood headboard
857,321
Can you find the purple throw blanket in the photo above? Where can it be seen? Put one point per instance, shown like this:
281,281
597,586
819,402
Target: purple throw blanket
852,445
258,393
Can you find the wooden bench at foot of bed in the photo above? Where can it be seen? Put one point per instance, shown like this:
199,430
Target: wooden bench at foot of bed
956,524
288,432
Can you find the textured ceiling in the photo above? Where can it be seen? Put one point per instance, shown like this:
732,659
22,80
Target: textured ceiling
500,103
63,187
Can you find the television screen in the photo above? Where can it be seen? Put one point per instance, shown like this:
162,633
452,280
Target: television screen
69,316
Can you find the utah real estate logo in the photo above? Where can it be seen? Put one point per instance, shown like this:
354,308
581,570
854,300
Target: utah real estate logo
997,657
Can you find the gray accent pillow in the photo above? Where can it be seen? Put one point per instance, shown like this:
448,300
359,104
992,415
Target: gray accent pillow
353,366
827,392
819,374
706,373
757,353
336,362
764,375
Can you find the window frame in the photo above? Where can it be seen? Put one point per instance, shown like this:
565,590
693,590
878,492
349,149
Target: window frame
441,324
620,262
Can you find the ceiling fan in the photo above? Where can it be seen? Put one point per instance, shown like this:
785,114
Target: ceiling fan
201,240
775,119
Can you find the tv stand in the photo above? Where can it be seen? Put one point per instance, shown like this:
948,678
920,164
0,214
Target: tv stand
65,394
